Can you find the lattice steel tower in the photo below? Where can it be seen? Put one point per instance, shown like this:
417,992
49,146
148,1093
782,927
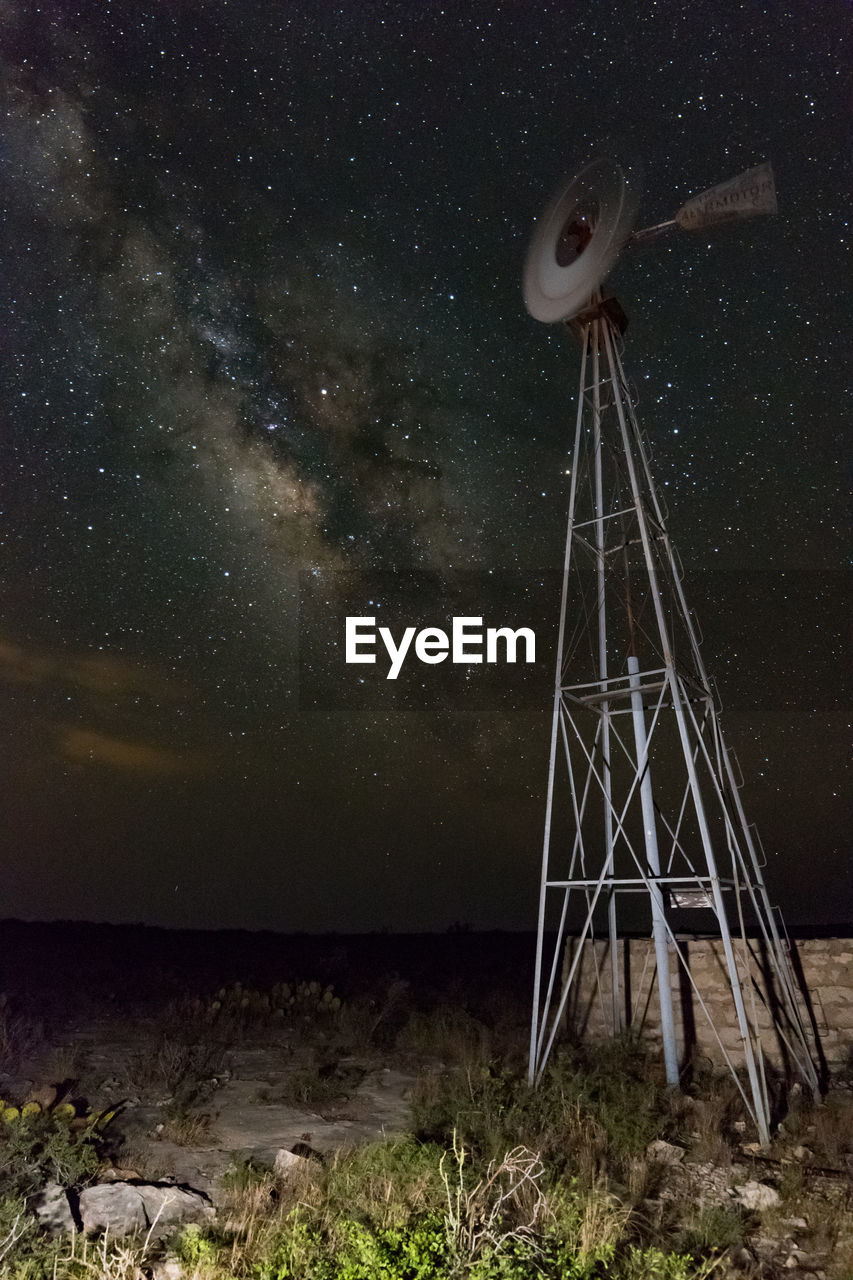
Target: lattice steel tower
644,819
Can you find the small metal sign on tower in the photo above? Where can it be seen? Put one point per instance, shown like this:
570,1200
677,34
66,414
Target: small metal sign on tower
644,820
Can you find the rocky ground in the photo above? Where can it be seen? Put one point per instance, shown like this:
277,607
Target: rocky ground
207,1080
246,1109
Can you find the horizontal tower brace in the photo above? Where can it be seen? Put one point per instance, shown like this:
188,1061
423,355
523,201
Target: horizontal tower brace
618,882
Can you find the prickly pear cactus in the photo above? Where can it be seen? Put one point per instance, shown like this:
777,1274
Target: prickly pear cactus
243,1007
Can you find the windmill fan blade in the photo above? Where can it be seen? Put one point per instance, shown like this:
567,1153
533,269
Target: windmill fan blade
577,240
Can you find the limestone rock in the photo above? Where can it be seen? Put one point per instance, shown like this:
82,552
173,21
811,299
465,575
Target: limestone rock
168,1269
753,1148
53,1210
116,1207
123,1208
799,1260
165,1206
288,1163
113,1173
664,1152
757,1195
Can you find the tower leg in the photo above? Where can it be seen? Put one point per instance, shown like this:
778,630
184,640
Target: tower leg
601,599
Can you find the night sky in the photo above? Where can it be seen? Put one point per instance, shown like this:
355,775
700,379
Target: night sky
265,365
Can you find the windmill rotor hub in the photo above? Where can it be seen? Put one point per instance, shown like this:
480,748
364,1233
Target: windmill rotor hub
577,240
576,234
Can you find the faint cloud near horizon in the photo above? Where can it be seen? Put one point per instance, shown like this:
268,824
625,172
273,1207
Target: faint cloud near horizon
126,711
90,747
99,671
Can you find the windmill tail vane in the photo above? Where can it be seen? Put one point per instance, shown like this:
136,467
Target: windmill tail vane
749,195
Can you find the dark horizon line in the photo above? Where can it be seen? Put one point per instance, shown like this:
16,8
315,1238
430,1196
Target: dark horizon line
834,929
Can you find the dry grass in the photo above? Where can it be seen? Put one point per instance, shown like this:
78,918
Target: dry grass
602,1223
642,1179
361,1027
174,1066
106,1260
254,1212
711,1121
825,1129
833,1129
187,1128
65,1062
394,1180
21,1036
841,1245
448,1034
506,1203
587,1141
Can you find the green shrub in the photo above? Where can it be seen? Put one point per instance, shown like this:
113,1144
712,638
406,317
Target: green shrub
244,1174
42,1147
654,1264
384,1183
197,1247
410,1211
714,1228
420,1250
25,1254
589,1114
416,1251
490,1106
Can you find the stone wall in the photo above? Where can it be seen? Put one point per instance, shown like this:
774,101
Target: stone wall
824,967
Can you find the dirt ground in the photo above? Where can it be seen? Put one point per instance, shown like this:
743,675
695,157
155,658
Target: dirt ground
221,1048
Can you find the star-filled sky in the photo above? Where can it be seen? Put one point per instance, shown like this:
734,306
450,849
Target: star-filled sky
265,364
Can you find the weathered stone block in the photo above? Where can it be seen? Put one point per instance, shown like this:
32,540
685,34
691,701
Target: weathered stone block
53,1210
827,965
124,1208
757,1196
115,1207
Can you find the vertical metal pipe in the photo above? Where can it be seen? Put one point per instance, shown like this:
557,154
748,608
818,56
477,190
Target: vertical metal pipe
659,930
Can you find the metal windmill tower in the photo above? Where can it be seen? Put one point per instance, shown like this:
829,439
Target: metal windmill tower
644,819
